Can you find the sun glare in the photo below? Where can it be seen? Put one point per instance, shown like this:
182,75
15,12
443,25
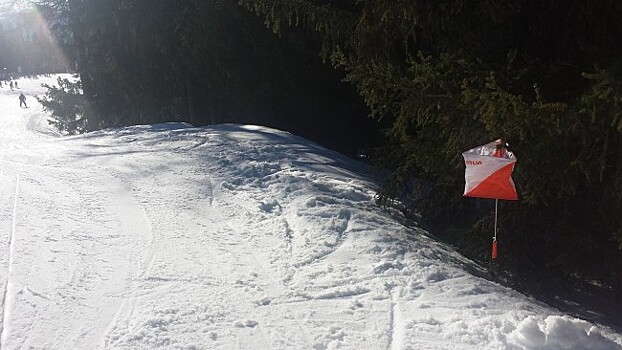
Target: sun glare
28,45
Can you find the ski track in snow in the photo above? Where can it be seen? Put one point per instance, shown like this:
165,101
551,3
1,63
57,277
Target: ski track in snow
7,299
231,237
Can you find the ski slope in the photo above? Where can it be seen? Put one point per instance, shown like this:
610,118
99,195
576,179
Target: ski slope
230,237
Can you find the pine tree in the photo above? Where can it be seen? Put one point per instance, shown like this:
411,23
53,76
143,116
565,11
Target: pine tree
69,111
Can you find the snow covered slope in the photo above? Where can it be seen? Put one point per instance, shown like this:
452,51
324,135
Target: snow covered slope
230,237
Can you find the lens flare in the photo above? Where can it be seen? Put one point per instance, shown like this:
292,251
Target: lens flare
27,44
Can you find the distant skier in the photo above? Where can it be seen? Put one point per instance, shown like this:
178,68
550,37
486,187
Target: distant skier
16,85
11,84
22,100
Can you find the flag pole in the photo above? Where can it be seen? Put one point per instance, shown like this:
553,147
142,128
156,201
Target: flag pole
496,212
494,238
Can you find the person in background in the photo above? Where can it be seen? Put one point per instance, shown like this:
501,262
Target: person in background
22,100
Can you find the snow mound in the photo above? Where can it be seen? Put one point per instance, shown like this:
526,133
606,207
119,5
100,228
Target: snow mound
559,333
231,237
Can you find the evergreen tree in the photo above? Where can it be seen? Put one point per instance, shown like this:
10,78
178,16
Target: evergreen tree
69,111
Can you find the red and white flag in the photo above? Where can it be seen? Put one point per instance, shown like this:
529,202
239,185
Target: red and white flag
489,172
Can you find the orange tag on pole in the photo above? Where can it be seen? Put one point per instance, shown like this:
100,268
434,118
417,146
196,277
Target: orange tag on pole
494,249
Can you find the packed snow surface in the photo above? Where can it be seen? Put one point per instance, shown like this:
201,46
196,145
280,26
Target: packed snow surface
230,237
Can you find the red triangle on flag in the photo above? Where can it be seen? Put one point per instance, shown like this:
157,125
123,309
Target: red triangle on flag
498,185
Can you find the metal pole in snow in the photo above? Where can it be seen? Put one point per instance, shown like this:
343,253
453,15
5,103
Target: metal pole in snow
494,238
496,211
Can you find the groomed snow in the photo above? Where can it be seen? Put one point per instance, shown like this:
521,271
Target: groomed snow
230,237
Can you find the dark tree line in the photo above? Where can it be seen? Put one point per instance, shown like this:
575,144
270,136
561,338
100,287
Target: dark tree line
202,62
439,76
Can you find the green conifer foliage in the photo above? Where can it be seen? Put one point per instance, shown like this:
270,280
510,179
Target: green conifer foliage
70,111
447,75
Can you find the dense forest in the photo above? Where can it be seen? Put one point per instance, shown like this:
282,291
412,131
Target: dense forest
202,62
419,81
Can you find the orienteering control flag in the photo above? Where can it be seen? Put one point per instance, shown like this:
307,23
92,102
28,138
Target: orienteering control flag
489,172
